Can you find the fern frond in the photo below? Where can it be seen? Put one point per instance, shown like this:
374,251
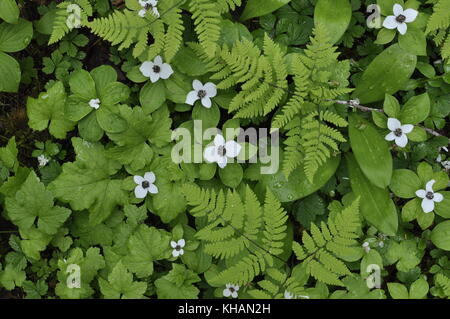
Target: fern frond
326,250
60,23
239,230
207,19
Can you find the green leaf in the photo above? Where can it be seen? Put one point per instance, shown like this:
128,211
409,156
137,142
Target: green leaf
385,36
34,205
387,73
15,37
8,155
416,110
255,9
298,185
87,183
210,117
89,263
48,111
11,277
391,106
146,245
419,289
152,96
178,284
405,183
9,11
376,205
398,291
132,148
440,235
334,16
443,208
414,42
387,6
9,73
371,151
120,285
231,175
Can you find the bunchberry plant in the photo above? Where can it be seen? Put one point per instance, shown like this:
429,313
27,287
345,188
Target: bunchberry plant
293,149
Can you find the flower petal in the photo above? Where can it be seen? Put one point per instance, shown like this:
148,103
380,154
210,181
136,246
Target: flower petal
192,97
197,85
153,2
143,2
429,185
175,253
154,77
140,192
181,243
219,140
234,294
421,193
222,161
402,28
142,13
226,292
407,128
390,22
438,197
398,9
402,140
393,124
150,177
390,137
173,244
232,148
210,154
211,89
158,61
166,71
146,68
236,287
181,252
155,12
427,205
206,101
138,179
410,15
153,189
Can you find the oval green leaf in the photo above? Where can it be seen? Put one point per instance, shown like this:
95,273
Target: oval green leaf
334,15
371,151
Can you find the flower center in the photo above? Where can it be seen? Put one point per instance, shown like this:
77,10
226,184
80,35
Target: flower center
148,6
156,69
178,248
201,94
398,132
222,150
400,18
231,289
145,184
430,195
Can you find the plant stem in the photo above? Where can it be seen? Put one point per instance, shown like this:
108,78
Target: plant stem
355,104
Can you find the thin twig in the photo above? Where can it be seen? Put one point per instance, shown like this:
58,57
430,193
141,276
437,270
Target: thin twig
355,104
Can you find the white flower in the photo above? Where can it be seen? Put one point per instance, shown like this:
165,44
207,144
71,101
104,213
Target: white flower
145,185
398,132
288,295
445,164
156,69
42,160
202,92
400,18
381,244
231,290
94,103
221,151
366,247
148,5
177,247
429,197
